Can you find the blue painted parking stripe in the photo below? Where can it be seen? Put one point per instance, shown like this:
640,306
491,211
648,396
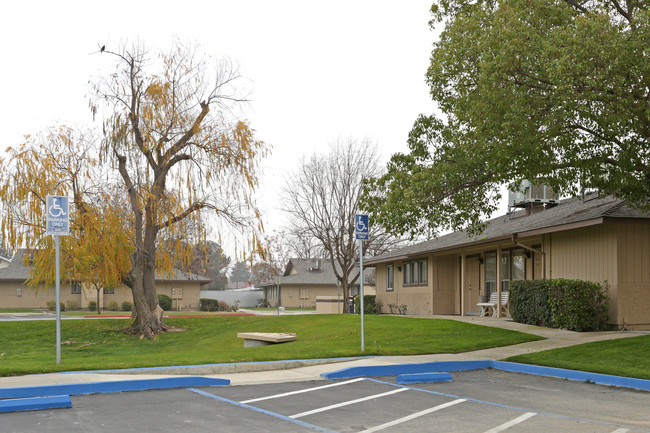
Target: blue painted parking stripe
262,411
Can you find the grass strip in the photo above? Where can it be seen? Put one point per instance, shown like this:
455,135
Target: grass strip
29,347
628,357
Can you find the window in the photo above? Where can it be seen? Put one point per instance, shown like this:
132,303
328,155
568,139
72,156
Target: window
76,287
415,272
513,267
109,291
389,278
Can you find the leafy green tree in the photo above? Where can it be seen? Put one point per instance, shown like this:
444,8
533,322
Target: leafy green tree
240,273
211,262
551,91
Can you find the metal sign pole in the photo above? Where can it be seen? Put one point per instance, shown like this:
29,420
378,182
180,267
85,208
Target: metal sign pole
361,300
57,243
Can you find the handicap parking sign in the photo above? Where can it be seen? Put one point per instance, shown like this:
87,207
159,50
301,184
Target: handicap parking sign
361,227
58,216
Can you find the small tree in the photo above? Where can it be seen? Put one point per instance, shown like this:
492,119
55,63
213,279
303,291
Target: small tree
322,197
172,150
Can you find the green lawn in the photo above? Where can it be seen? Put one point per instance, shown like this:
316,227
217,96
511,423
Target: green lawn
128,313
629,357
18,310
29,347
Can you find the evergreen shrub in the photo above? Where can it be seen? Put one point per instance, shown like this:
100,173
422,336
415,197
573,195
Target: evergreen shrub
575,305
164,301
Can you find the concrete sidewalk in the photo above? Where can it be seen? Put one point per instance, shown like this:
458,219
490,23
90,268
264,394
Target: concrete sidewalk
302,370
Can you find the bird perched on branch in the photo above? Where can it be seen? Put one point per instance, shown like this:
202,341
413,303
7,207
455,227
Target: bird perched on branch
101,50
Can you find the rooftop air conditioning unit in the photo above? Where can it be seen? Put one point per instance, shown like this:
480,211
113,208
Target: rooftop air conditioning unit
528,195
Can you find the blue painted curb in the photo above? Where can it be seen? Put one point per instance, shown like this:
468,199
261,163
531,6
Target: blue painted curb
37,403
579,376
110,387
450,366
392,370
424,378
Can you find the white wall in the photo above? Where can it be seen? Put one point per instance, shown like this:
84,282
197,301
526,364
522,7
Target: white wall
247,298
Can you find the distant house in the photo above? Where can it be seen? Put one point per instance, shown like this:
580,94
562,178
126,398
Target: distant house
593,238
306,279
184,289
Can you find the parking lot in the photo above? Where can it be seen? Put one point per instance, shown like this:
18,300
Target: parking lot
475,401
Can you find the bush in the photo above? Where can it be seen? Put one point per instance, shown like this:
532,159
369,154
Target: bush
127,306
579,305
113,305
92,306
575,305
369,304
263,303
208,304
164,301
71,305
51,305
529,302
215,305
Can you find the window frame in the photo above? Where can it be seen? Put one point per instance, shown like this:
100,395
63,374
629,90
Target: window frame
390,277
75,285
416,272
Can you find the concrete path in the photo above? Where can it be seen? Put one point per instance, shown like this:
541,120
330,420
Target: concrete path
291,371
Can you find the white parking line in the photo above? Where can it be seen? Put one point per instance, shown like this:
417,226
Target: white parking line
511,423
413,416
347,403
621,430
301,391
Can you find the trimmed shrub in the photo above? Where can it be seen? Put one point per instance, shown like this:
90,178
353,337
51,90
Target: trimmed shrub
575,305
579,305
164,301
529,302
215,305
92,306
208,304
369,304
127,306
71,305
51,305
113,305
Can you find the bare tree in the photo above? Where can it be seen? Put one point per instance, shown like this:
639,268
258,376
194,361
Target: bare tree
322,197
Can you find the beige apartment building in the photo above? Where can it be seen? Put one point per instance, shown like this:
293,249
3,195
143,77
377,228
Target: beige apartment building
182,287
591,238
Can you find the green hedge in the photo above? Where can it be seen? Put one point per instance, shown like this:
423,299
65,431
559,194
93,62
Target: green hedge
215,305
164,301
369,304
575,305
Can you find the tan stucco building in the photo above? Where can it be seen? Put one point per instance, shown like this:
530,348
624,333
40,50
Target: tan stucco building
183,288
305,280
593,238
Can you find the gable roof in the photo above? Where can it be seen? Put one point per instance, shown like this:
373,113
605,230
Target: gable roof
310,271
568,214
17,271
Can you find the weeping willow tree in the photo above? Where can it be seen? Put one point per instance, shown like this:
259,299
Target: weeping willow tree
170,157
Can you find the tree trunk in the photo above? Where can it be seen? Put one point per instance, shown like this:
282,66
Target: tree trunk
148,320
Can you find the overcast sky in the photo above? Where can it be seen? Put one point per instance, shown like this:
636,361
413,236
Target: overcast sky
318,70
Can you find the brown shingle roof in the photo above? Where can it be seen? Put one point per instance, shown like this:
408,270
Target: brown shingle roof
569,211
